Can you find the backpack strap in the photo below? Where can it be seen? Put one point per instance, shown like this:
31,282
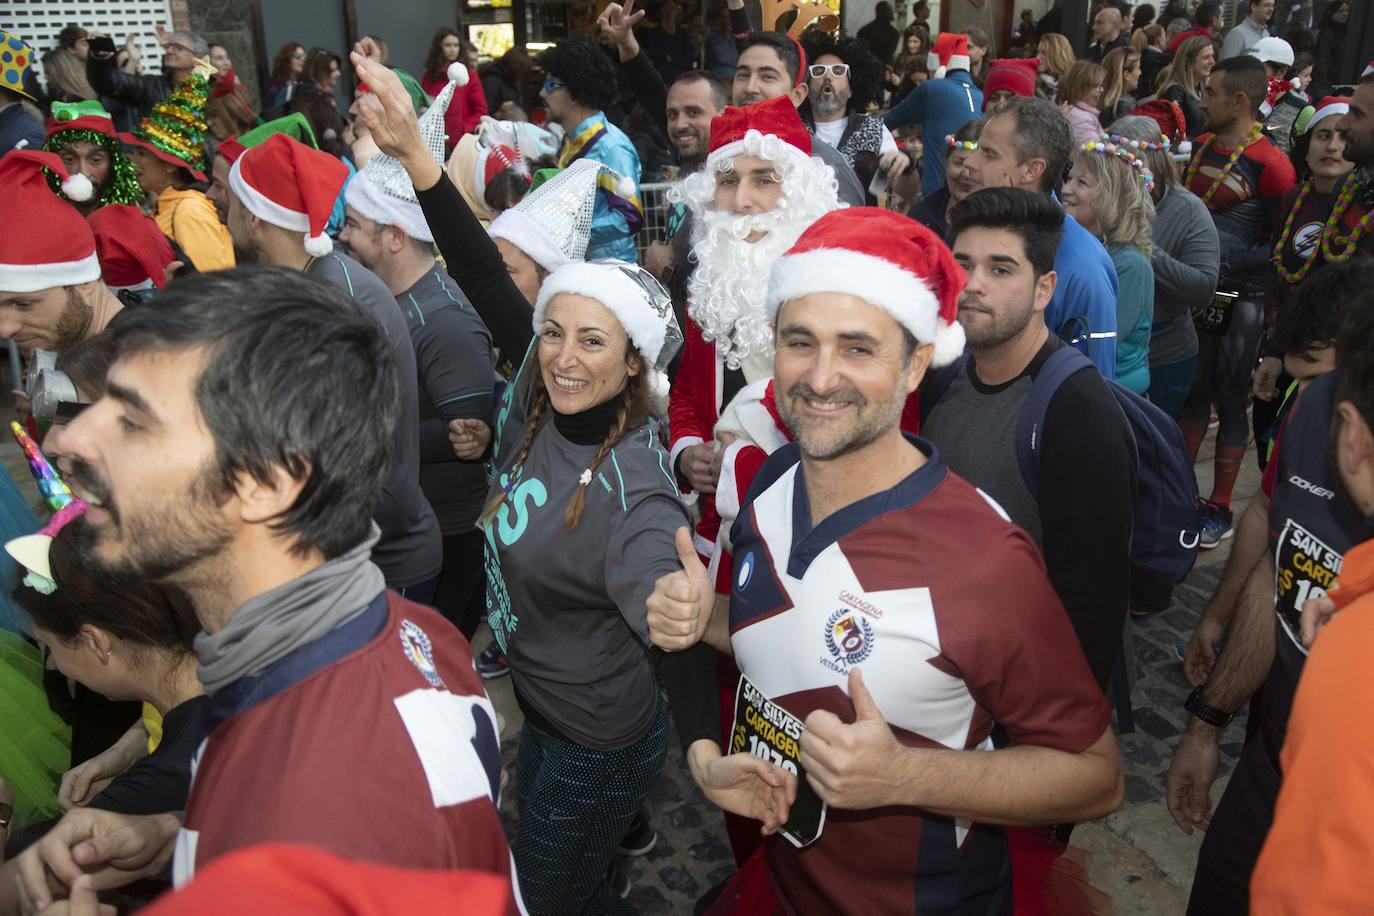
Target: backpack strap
1061,364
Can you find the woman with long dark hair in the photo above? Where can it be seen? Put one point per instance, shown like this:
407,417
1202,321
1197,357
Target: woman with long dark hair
286,71
469,101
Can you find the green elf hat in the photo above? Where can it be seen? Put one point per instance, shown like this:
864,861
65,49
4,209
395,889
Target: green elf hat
294,126
175,129
73,122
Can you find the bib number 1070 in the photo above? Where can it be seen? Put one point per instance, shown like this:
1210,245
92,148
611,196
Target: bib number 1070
762,751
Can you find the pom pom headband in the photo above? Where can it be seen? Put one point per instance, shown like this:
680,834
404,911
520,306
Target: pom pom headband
1163,143
952,143
1108,147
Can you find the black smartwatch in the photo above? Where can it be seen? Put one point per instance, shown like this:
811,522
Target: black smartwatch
1209,714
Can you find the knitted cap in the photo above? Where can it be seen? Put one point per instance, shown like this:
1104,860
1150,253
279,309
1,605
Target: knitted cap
286,183
58,248
888,260
1014,75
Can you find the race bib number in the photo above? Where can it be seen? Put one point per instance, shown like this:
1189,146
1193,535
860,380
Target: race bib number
771,733
1215,316
1306,569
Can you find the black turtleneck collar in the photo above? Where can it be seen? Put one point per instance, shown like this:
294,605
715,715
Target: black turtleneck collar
590,426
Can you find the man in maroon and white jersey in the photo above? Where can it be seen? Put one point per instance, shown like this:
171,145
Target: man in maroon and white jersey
885,613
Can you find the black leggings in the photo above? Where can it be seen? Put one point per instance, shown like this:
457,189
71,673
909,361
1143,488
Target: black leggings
461,595
1225,364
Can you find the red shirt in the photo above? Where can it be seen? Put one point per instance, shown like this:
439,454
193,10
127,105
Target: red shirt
375,742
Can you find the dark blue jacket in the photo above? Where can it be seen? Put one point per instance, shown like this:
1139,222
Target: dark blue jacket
941,106
16,126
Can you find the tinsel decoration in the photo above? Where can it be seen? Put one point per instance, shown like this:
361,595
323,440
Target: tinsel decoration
120,188
177,125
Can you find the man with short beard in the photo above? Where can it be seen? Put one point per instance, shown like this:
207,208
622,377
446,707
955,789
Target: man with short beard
843,80
1358,128
759,190
870,613
51,294
1006,240
238,452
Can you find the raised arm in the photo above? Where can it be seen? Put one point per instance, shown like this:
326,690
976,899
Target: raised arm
471,255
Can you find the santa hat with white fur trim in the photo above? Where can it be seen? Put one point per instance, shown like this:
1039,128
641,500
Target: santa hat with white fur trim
737,130
637,300
62,250
286,183
950,52
886,259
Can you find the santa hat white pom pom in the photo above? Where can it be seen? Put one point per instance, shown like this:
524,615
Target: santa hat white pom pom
659,386
317,246
78,187
458,73
949,344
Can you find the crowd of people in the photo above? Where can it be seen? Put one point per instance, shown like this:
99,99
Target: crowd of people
846,484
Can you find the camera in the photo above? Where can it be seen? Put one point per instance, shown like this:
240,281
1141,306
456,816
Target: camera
52,393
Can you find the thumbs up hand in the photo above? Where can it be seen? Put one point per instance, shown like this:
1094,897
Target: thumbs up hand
681,604
852,766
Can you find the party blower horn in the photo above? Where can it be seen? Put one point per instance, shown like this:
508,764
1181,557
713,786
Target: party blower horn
31,550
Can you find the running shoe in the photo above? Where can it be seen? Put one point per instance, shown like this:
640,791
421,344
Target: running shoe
1216,525
492,663
640,838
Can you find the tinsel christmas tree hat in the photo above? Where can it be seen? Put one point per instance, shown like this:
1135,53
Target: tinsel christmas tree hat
175,130
74,122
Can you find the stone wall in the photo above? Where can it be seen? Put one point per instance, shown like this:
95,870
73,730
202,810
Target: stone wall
228,23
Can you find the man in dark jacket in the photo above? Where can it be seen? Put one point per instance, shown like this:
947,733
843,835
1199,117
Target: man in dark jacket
179,53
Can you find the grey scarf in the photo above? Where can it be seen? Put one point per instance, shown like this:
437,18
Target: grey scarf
274,624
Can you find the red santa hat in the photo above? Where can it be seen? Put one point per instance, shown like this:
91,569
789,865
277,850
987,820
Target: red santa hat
949,53
1328,106
886,259
286,183
739,130
1014,75
1173,126
58,249
132,249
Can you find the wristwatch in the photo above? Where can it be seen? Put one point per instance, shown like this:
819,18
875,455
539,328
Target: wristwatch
1209,714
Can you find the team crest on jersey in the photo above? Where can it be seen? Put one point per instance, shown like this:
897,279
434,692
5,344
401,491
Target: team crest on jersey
421,654
849,637
746,571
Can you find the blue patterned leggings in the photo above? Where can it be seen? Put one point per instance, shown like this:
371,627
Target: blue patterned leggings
575,804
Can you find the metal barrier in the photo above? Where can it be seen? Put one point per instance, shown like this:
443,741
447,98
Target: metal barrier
656,212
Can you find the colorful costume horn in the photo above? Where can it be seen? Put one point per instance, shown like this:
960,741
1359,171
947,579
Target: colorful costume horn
31,550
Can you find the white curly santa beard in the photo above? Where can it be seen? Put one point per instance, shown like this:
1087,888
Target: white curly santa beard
729,285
